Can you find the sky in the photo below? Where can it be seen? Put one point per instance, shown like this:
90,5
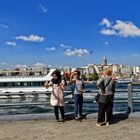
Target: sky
70,33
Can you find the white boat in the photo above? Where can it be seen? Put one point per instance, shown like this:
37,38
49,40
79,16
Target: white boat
22,84
127,80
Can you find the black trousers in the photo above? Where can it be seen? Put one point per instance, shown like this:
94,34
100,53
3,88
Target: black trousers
105,109
56,112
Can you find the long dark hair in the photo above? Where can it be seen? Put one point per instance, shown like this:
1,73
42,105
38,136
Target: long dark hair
58,80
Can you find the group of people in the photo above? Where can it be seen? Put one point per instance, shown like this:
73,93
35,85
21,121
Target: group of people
106,84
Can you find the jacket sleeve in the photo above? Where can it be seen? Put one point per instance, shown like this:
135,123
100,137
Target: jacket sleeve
99,82
83,85
113,86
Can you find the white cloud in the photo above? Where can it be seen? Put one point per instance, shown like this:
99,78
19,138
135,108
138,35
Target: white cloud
39,65
4,26
65,46
11,43
77,52
120,28
108,32
106,22
21,66
106,43
31,38
49,66
51,49
43,8
134,55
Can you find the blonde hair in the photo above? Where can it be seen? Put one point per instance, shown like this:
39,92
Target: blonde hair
108,71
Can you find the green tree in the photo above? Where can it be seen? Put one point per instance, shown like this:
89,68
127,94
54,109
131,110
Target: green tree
84,77
93,77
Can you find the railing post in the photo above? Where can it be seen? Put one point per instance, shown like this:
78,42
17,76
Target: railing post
130,98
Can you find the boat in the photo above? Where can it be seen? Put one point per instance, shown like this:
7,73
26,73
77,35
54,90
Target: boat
127,80
23,84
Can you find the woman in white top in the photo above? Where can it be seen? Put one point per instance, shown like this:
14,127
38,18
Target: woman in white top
57,95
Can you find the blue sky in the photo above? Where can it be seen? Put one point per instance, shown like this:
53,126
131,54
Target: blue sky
69,32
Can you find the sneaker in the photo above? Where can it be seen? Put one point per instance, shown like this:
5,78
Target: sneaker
98,124
107,124
80,117
57,120
76,118
62,120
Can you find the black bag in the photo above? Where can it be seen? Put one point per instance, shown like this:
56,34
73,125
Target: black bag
96,97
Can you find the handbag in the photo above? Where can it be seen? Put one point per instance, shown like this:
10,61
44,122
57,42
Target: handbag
96,97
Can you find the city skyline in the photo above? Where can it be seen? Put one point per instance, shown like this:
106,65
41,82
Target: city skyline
69,33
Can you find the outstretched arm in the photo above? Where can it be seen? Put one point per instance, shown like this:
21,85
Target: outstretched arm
48,84
63,85
71,77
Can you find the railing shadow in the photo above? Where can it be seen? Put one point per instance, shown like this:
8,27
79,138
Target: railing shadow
70,116
119,117
116,118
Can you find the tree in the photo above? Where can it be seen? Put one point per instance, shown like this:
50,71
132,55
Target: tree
84,77
93,77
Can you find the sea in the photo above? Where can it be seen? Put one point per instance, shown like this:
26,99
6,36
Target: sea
89,104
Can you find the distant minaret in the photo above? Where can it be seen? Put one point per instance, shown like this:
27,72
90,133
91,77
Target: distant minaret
104,61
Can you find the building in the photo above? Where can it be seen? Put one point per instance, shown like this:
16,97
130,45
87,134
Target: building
127,71
104,61
90,69
136,70
116,68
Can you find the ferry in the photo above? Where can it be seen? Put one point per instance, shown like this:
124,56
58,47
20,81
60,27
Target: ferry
23,84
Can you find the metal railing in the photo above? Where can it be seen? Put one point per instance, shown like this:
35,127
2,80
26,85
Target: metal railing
131,99
88,93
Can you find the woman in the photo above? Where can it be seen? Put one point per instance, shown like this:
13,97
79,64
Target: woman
78,89
57,96
106,85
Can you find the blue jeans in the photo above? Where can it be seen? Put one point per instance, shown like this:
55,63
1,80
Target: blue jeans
78,104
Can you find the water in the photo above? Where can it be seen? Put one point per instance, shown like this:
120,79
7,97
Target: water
88,107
